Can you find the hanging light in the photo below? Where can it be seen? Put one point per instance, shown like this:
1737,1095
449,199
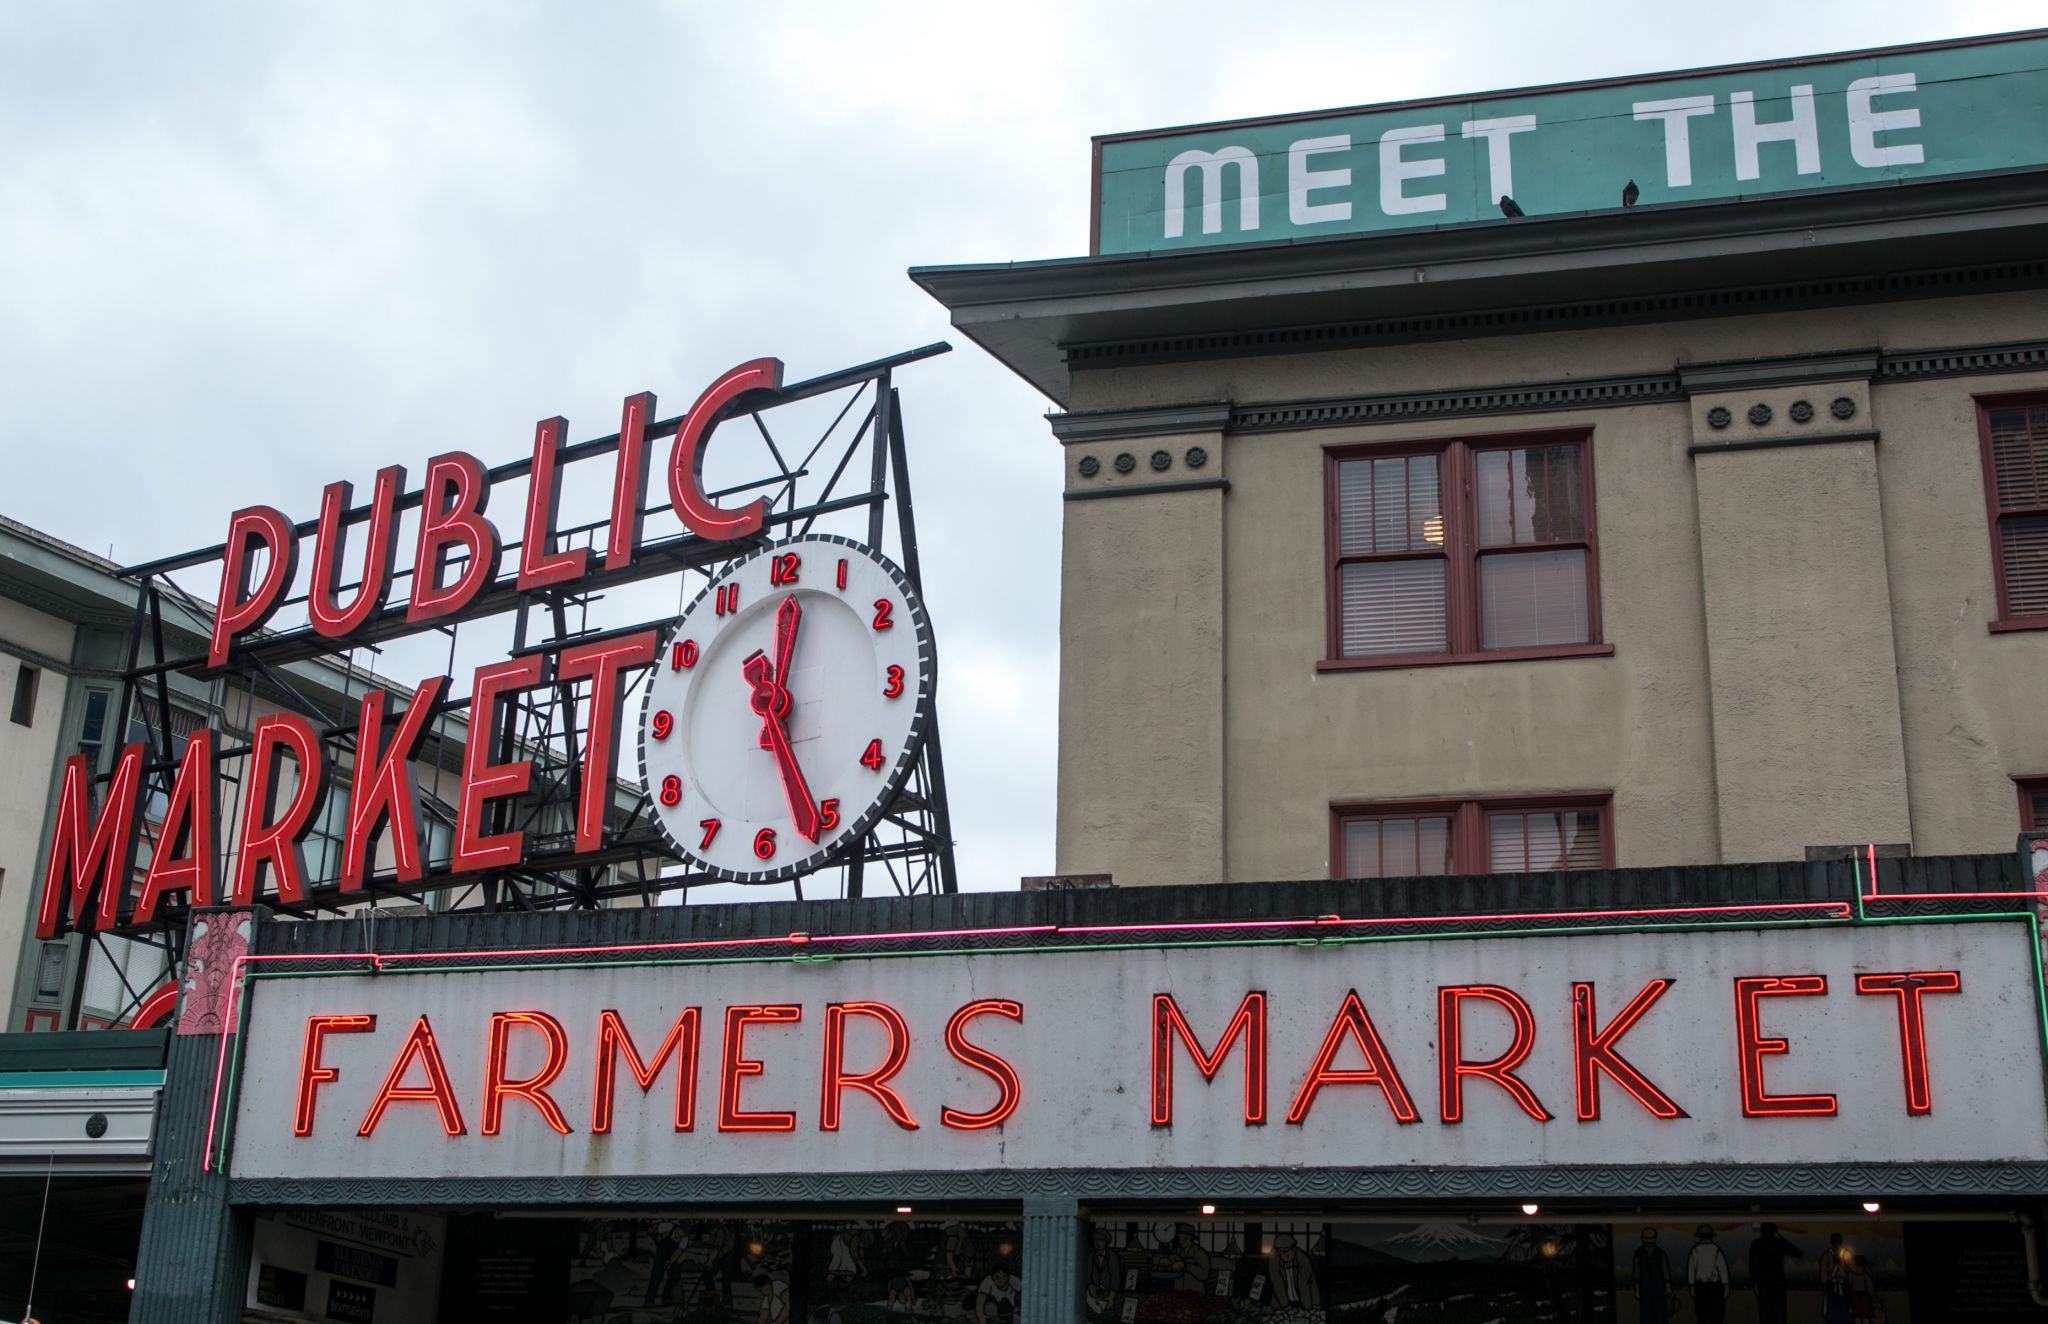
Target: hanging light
1532,1209
1871,1206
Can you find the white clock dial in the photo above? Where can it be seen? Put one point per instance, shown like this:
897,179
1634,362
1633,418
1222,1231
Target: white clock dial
787,708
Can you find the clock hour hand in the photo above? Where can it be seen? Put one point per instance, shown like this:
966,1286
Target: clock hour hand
771,700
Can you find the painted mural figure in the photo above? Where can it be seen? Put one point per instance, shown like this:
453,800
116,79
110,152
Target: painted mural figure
1707,1270
1767,1256
1651,1270
1293,1278
1190,1260
995,1301
1105,1274
1863,1307
1834,1281
774,1300
666,1273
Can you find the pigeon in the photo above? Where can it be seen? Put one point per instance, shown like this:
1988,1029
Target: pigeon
1508,206
1629,194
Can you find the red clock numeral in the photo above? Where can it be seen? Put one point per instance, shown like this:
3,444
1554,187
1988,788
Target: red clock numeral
671,790
871,758
782,568
882,609
764,844
728,600
710,826
828,815
683,655
842,572
894,689
664,723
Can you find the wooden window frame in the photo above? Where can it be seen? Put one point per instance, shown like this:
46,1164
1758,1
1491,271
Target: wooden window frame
1461,553
1993,512
1469,844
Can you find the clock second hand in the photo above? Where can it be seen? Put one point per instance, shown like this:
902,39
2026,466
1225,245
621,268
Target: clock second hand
771,700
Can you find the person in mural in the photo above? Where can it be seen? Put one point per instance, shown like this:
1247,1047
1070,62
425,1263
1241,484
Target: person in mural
902,1295
1189,1260
1863,1308
774,1300
845,1261
1292,1276
667,1269
1105,1274
1834,1281
1706,1269
1767,1256
1650,1271
953,1242
721,1263
995,1301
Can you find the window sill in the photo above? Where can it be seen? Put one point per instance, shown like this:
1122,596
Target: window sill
2019,623
1392,661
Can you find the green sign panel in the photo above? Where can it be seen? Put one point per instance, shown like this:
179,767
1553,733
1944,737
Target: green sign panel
1915,112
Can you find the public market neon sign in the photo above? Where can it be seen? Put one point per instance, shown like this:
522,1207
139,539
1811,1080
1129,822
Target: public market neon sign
93,846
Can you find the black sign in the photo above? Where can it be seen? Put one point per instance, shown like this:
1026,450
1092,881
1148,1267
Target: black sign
365,1266
280,1287
349,1304
1969,1273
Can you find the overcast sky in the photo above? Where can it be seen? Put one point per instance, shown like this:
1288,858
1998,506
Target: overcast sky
249,249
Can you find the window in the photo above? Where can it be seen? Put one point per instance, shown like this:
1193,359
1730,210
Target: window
92,732
1462,551
50,971
2033,803
1423,839
25,695
2014,436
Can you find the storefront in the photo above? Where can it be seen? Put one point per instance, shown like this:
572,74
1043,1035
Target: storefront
1116,1105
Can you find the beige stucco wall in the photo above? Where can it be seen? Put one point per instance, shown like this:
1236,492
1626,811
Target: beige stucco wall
27,754
1929,718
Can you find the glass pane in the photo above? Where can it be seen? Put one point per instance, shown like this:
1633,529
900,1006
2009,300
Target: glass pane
2023,540
1389,505
1539,841
1362,849
1532,598
1397,847
2037,803
1530,495
1392,607
2019,455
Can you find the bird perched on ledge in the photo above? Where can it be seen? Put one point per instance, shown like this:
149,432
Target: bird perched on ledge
1508,206
1629,194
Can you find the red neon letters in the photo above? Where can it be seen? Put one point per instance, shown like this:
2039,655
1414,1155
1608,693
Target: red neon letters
629,482
187,854
604,663
1249,1021
735,1066
271,839
613,1042
1907,988
246,602
533,1089
452,502
686,461
311,1073
483,779
380,553
539,564
92,854
1010,1089
1593,1052
385,790
1499,1070
1752,1047
437,1091
874,1082
1352,1022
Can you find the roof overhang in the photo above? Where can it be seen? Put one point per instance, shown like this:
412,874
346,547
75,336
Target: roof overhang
1044,319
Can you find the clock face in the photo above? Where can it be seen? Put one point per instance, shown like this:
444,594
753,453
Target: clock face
787,708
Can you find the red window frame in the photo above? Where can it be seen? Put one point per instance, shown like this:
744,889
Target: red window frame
2028,788
1462,554
1471,852
1993,512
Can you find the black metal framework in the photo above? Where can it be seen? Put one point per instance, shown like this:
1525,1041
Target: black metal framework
909,852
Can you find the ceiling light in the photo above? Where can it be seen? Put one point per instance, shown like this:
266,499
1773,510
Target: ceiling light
1208,1209
902,1208
1531,1209
1871,1206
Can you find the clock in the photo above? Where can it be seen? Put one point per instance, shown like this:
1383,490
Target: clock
787,709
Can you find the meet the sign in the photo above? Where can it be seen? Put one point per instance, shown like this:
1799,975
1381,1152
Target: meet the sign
1905,113
1792,1045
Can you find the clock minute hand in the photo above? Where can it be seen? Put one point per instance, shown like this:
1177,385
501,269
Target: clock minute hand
771,700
